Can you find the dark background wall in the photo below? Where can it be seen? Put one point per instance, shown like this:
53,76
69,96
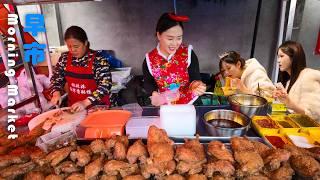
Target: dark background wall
128,27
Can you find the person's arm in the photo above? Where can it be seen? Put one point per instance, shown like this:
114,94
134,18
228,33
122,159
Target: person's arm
193,69
102,76
58,77
57,80
196,85
149,83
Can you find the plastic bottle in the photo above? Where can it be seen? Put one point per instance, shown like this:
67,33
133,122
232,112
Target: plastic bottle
172,94
218,86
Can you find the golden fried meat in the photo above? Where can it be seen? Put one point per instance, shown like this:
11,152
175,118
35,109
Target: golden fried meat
218,151
197,177
81,156
275,158
305,166
222,167
34,175
57,156
92,169
241,144
114,167
98,146
66,167
53,177
250,162
137,151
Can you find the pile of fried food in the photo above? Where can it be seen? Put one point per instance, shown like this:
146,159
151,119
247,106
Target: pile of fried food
113,159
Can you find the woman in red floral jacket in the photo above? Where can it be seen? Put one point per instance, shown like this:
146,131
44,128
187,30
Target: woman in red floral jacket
171,63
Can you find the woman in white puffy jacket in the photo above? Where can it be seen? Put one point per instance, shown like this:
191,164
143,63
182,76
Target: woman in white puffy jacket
249,76
302,85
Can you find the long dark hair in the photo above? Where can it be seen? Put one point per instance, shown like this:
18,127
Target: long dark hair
298,62
231,57
76,32
165,23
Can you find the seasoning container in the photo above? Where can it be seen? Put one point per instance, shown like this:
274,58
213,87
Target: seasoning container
285,123
303,120
265,125
276,140
302,140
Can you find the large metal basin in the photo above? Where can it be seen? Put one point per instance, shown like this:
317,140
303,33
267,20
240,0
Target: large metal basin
249,104
214,128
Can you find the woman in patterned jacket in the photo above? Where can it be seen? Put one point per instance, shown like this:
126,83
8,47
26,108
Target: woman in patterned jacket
86,73
171,63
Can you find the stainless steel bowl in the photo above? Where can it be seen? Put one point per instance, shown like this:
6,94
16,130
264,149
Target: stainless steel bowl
248,104
216,115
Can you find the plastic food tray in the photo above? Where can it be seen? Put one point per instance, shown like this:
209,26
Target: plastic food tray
262,130
286,124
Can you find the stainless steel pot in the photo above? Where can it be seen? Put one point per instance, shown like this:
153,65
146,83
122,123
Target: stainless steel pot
216,115
248,104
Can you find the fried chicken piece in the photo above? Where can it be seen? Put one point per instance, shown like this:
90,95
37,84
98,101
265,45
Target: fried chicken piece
161,154
275,158
174,177
241,144
219,177
261,148
93,169
134,177
156,135
136,152
120,151
190,151
81,156
250,163
34,175
219,151
256,177
296,151
13,171
97,146
87,148
114,167
66,167
190,157
283,173
53,177
116,147
38,156
197,177
158,169
190,167
76,176
7,160
223,167
106,177
305,166
59,155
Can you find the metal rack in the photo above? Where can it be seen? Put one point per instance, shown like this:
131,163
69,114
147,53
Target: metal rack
28,68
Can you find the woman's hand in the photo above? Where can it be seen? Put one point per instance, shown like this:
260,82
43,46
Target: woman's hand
282,95
198,87
55,98
156,99
238,84
80,105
